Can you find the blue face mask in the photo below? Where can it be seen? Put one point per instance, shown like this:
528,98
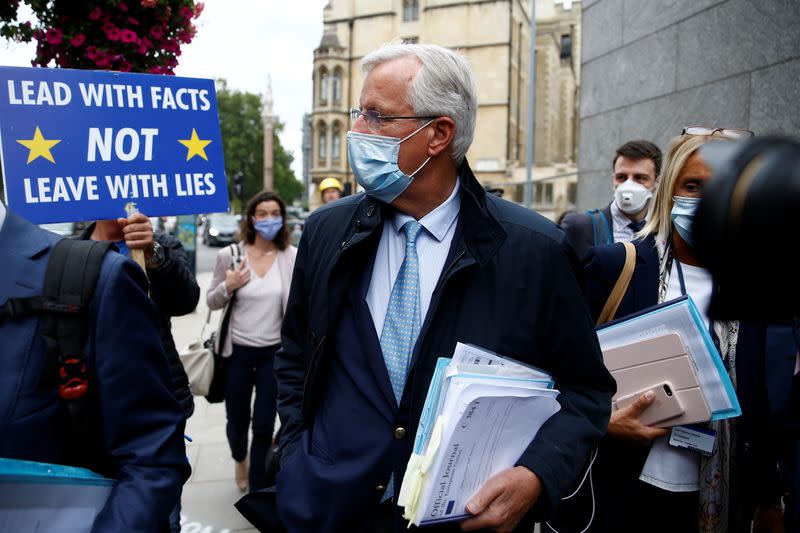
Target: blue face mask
683,211
373,159
268,228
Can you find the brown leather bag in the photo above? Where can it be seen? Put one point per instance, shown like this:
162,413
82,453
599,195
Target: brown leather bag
620,287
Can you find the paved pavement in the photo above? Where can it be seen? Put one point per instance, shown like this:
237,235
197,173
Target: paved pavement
210,493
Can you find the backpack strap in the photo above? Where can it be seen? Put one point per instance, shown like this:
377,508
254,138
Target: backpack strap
20,307
601,229
70,280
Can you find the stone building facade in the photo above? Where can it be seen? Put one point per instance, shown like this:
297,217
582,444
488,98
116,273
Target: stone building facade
495,37
651,67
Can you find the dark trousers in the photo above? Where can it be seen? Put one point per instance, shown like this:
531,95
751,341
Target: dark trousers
245,368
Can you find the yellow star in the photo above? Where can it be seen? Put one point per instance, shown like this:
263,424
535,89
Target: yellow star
39,146
195,146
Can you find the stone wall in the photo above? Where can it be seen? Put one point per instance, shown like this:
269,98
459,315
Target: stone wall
652,67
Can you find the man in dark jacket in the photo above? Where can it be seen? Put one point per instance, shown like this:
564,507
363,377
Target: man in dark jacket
635,167
173,289
474,268
140,436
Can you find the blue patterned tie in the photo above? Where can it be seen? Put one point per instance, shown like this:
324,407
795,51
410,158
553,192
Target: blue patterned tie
637,226
401,327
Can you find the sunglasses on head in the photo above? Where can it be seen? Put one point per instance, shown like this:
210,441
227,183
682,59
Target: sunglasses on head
730,133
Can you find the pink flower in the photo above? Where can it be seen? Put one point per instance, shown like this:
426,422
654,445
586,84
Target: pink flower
171,45
148,3
54,36
95,14
78,40
144,45
187,12
132,21
122,7
198,9
91,52
37,34
156,32
113,34
102,59
127,36
108,26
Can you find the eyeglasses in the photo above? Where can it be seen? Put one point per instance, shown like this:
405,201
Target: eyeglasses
373,118
731,133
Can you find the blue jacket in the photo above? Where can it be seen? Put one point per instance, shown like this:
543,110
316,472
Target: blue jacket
510,284
142,424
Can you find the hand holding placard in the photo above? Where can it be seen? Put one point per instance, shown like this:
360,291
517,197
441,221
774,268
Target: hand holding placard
137,254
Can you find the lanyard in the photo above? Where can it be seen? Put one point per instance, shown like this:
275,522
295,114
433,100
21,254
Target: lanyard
680,276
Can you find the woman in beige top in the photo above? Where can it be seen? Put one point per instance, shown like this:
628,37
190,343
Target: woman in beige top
258,289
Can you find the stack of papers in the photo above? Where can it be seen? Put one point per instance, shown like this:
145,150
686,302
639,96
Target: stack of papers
481,413
679,316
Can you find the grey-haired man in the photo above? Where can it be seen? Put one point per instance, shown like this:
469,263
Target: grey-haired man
355,366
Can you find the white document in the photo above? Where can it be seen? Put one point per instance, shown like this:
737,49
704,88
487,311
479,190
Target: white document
683,318
489,436
466,354
485,428
481,412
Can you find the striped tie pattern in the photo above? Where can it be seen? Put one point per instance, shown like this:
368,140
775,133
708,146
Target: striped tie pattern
401,327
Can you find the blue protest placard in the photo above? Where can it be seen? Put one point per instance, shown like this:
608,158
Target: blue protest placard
79,145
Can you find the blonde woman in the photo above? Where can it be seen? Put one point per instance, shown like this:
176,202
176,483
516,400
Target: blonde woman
642,482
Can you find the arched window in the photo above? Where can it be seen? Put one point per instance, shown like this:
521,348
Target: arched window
410,10
337,85
323,86
336,141
322,143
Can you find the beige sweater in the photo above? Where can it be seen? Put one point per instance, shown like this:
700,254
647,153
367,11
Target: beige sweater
217,296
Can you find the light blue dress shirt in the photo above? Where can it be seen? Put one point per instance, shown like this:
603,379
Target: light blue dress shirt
433,246
2,214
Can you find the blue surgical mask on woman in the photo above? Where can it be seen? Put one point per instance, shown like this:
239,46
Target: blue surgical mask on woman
683,211
268,227
373,159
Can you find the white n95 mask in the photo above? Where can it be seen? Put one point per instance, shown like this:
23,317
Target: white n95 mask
631,197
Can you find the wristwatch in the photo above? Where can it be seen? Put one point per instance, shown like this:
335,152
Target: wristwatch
157,258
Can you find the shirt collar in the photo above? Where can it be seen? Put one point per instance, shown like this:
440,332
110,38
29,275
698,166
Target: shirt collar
438,221
621,220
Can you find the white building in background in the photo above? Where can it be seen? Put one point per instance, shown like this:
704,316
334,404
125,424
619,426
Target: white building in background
494,35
